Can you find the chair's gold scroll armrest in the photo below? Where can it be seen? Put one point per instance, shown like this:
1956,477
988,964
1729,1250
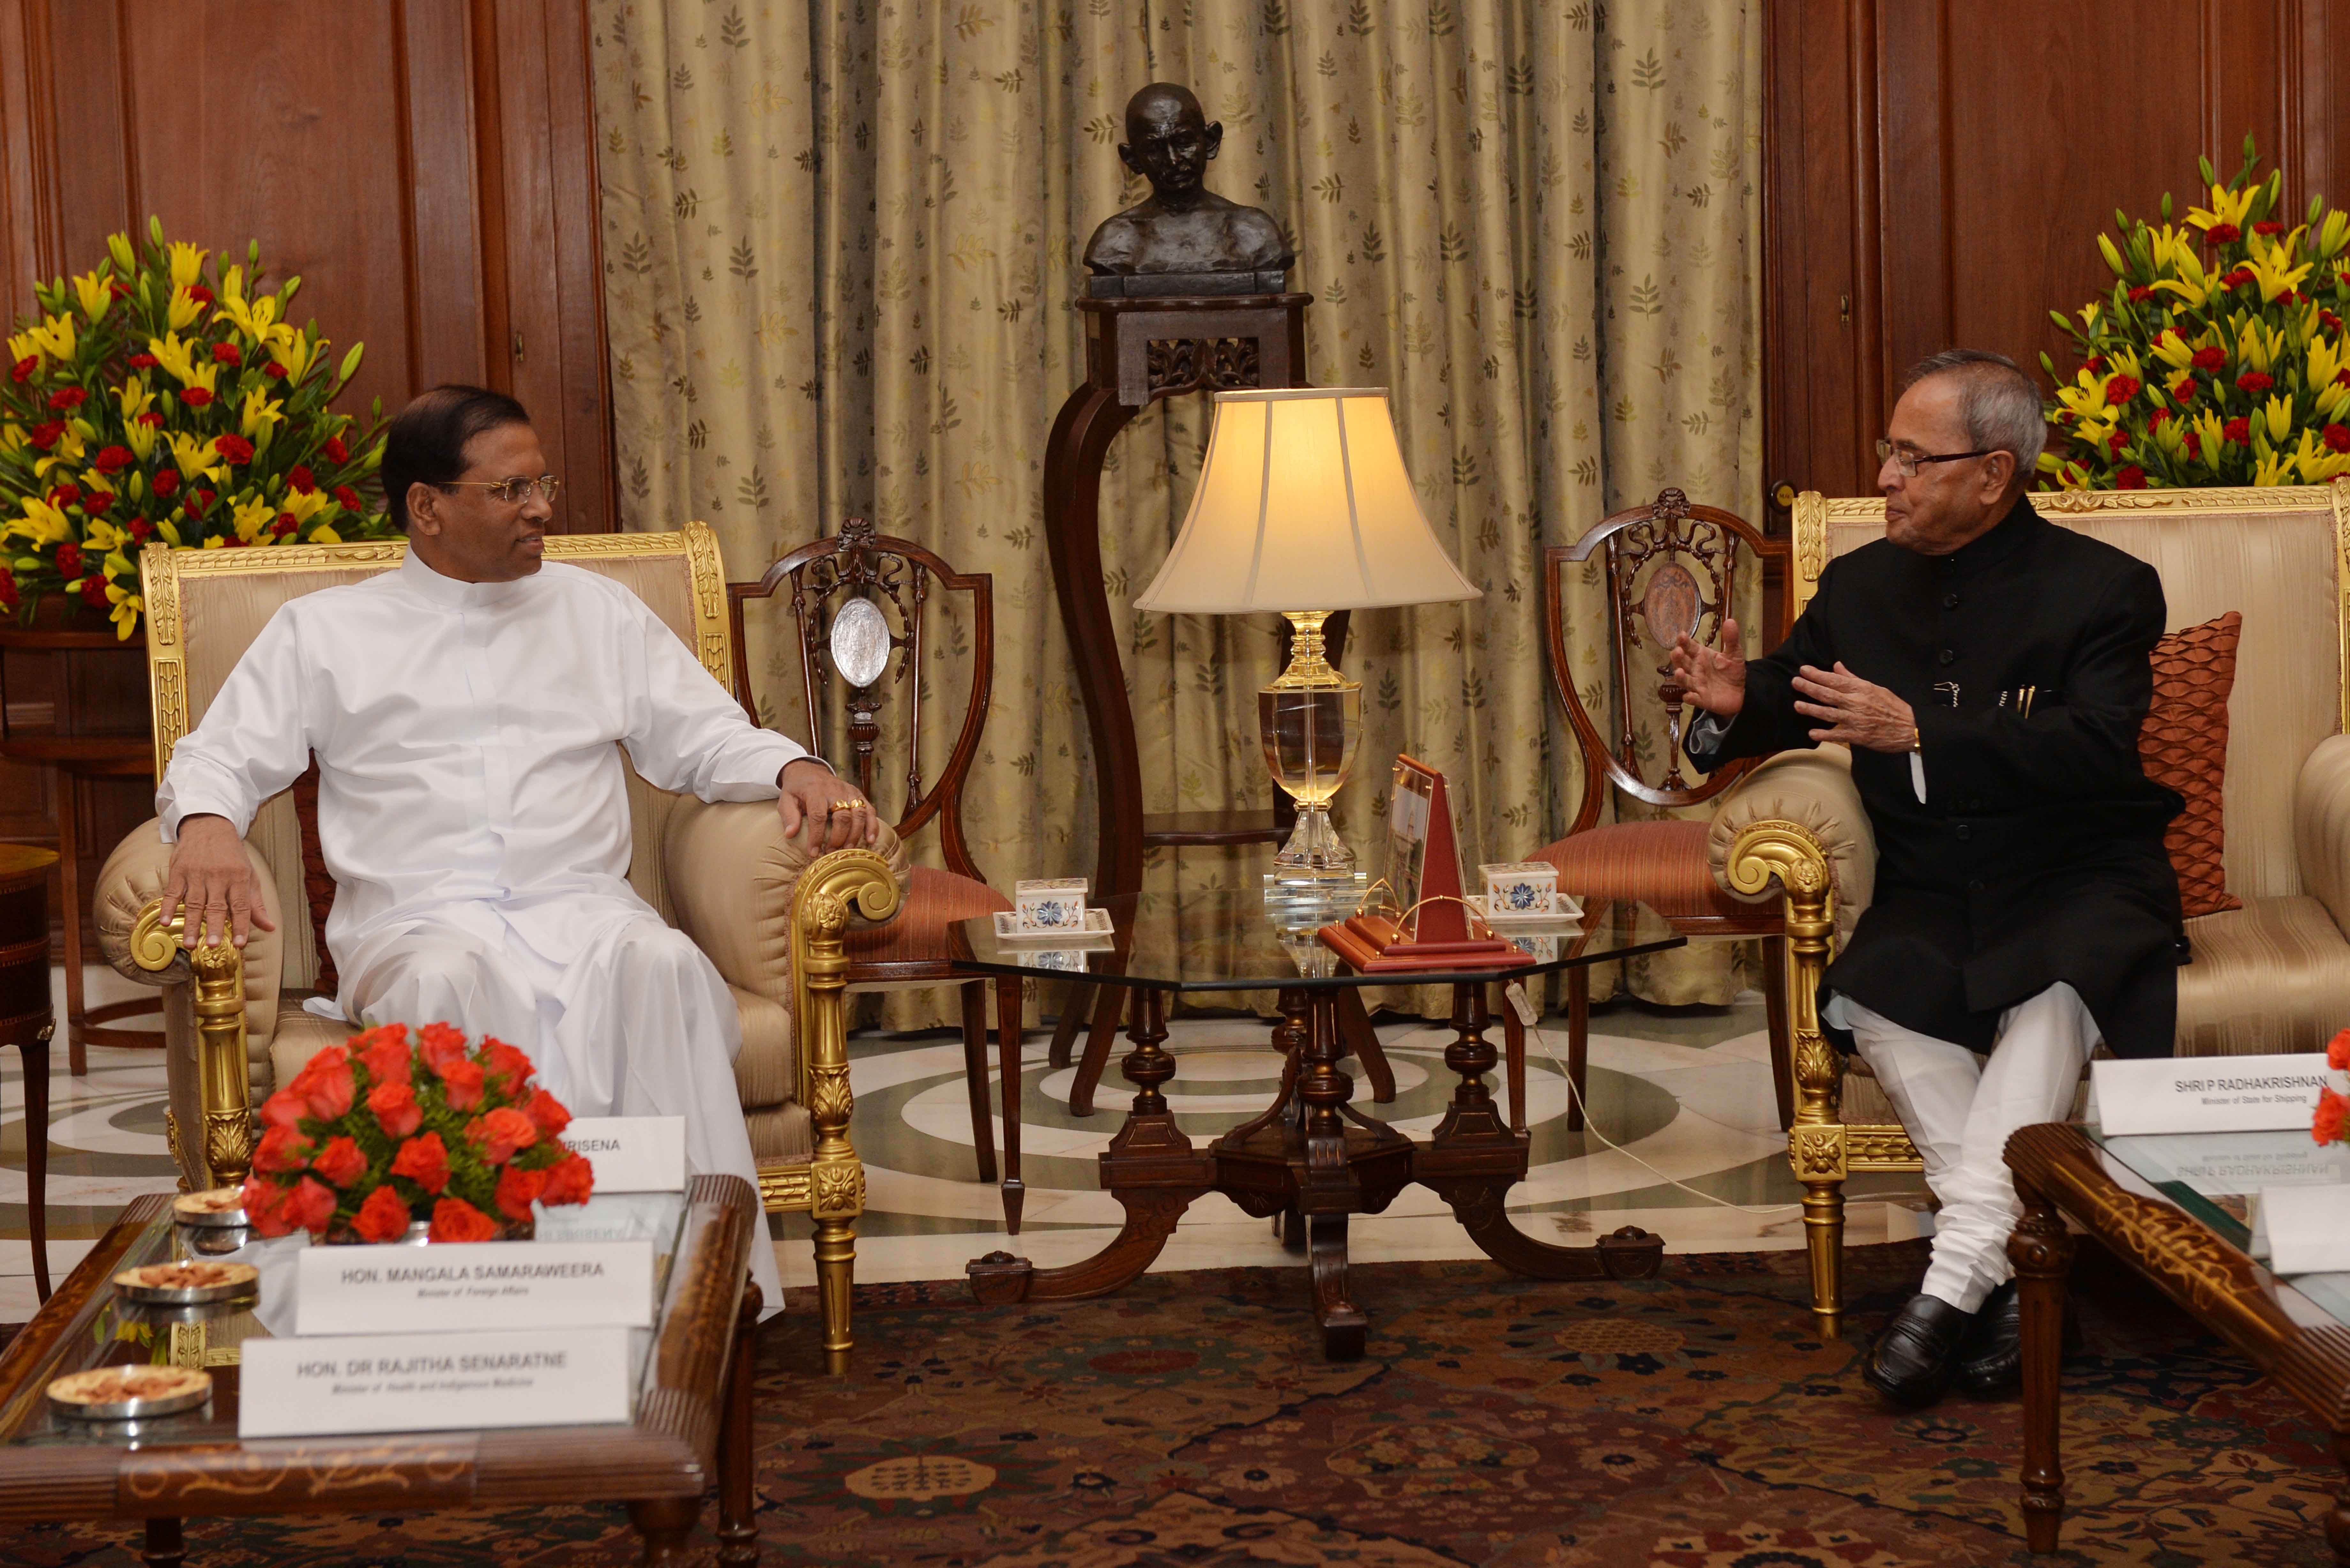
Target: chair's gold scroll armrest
132,882
1812,793
730,874
2321,825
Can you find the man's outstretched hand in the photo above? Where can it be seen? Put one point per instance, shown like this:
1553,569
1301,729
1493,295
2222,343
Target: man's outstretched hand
837,813
1716,681
1854,711
213,881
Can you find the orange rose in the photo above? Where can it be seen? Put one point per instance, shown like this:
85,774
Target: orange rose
395,1109
547,1113
341,1162
463,1081
2337,1051
504,1131
310,1205
424,1161
2325,1127
440,1046
382,1217
516,1189
387,1057
502,1061
454,1220
569,1180
282,1152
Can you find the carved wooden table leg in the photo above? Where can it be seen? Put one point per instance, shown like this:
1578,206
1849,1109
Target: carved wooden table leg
1103,1034
1008,1070
1362,1041
1343,1322
738,1528
166,1547
975,1076
665,1523
2042,1251
34,1055
1328,1190
1473,1159
1151,1168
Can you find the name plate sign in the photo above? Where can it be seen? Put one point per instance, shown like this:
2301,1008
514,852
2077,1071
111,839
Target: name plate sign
434,1382
2208,1093
475,1285
632,1154
2306,1230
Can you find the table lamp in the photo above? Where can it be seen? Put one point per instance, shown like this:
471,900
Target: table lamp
1303,509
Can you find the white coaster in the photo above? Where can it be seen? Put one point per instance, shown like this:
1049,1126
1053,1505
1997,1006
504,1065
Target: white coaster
1009,930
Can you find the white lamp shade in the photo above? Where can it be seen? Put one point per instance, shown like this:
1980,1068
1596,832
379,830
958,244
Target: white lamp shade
1304,504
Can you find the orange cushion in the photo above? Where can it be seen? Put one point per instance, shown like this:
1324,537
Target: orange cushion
1661,863
2184,745
934,900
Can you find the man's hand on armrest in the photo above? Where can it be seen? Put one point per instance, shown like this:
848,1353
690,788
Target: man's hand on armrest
213,880
837,812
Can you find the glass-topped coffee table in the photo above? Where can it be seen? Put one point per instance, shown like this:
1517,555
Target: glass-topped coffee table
691,1402
1310,1155
2178,1210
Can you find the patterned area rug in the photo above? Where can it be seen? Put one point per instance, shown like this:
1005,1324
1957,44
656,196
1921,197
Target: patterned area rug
1690,1421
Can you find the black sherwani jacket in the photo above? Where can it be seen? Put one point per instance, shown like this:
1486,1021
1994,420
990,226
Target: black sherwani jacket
2037,855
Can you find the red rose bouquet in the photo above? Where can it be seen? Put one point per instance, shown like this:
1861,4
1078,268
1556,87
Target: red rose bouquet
2327,1126
374,1134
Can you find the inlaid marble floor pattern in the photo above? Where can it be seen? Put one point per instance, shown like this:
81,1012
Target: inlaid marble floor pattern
1686,1090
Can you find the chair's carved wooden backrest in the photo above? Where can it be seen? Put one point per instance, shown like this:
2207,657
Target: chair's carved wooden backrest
1672,570
2280,555
204,608
859,604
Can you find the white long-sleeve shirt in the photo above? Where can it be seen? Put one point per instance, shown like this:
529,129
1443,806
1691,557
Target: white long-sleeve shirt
468,741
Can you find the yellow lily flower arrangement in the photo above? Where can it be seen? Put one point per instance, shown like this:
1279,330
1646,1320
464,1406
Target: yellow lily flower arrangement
162,400
2219,354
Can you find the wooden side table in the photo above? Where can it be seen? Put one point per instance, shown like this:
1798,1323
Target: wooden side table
28,1020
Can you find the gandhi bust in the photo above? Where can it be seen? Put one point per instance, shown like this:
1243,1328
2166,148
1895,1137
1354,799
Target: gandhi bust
1185,239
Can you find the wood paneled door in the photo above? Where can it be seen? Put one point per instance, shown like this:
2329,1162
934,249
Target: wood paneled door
426,167
1939,171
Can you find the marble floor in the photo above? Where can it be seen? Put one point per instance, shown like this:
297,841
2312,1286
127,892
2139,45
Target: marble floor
1686,1091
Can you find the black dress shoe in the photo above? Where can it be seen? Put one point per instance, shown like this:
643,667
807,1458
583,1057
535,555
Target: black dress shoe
1912,1360
1991,1365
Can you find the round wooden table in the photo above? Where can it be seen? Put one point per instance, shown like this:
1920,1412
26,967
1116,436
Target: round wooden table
28,1020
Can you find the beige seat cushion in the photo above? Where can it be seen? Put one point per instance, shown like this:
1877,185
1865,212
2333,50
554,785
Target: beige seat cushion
2272,976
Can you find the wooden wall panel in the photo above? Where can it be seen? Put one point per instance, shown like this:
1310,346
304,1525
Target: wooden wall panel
1977,148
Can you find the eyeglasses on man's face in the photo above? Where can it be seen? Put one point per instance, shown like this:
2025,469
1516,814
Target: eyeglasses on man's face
515,492
1909,462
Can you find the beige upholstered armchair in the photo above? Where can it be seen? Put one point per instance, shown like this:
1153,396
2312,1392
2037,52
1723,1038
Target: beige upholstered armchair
723,874
2272,976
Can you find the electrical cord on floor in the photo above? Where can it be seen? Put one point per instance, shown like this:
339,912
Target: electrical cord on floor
1515,993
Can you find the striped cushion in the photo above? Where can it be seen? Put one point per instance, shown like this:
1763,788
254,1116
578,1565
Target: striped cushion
1661,863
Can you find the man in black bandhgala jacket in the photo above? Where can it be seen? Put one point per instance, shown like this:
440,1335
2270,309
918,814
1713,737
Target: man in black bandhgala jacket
1990,672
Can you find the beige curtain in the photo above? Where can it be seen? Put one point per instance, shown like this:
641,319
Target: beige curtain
841,243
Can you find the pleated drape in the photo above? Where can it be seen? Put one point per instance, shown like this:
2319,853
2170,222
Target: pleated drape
840,240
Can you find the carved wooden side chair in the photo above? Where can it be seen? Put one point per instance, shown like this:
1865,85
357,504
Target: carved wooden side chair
1672,570
859,601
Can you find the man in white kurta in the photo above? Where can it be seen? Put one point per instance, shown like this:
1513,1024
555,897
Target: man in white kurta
473,806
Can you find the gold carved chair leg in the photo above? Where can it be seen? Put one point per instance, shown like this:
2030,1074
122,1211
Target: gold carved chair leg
222,1156
836,1184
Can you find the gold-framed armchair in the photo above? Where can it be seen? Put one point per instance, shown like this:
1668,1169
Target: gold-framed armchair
722,873
2272,976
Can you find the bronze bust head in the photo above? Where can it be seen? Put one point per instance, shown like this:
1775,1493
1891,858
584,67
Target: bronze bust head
1185,239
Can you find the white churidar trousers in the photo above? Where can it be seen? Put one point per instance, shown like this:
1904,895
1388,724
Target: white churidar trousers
639,1023
1960,1109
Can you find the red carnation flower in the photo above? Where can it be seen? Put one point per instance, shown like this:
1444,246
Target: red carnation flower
198,500
284,526
65,399
547,1113
194,397
25,366
385,1054
46,434
301,479
2194,443
200,293
310,1205
7,590
2268,226
233,543
2116,441
461,1081
275,369
504,1133
348,497
69,559
117,289
227,354
2239,431
382,1217
395,1107
568,1180
2222,233
454,1220
234,448
335,449
341,1162
2130,478
167,483
151,420
142,361
2096,365
2158,418
2122,388
2336,438
65,495
2239,278
517,1190
93,592
2254,382
114,459
140,530
98,503
2140,294
2210,358
2183,390
2332,322
424,1161
282,1150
